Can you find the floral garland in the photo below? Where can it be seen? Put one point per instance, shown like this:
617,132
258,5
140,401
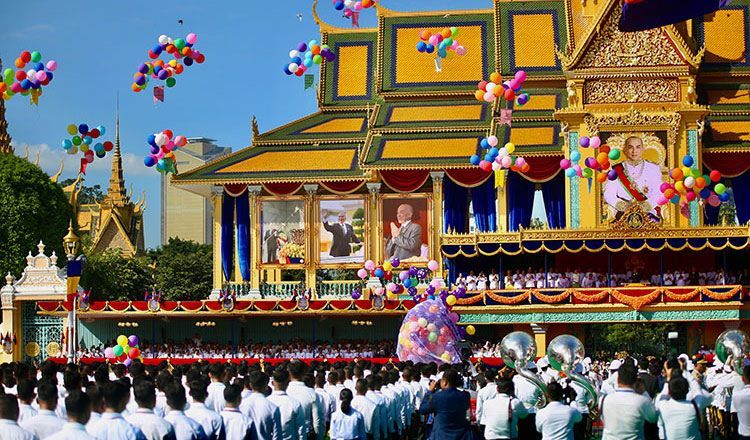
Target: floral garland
470,300
681,297
635,302
723,296
508,300
590,298
551,299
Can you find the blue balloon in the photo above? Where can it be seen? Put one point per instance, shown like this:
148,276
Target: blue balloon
188,61
724,197
338,5
49,76
87,140
100,154
474,159
26,84
570,172
66,143
297,60
99,147
157,69
286,69
308,62
442,53
687,161
83,129
488,157
379,273
39,67
430,48
407,283
705,193
149,161
575,156
675,199
152,140
421,46
494,151
35,84
484,144
442,45
101,129
157,49
312,43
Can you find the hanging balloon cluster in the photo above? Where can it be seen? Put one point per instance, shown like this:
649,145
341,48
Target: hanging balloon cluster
690,185
599,165
27,82
162,144
497,159
443,41
125,351
307,54
352,7
496,88
82,139
180,49
407,280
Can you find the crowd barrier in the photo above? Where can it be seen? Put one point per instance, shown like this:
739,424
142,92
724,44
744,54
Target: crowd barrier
494,362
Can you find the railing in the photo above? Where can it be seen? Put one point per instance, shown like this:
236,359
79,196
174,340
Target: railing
336,289
281,289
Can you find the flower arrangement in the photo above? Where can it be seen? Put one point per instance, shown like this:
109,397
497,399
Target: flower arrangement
292,251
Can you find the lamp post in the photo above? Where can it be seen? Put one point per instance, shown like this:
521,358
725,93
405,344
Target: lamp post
71,243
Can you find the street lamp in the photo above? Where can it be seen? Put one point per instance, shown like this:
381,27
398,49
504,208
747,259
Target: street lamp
71,242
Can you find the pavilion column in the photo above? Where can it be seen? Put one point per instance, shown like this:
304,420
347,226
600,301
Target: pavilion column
540,337
253,191
437,217
373,189
11,319
217,194
311,243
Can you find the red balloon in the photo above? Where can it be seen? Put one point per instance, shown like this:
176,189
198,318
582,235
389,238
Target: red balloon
94,133
152,55
510,95
604,148
26,56
168,133
20,75
482,85
108,146
134,353
201,58
715,176
485,165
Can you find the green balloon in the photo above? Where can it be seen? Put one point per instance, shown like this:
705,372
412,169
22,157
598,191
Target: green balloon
317,59
36,57
179,43
695,172
720,188
588,172
118,350
171,82
77,140
614,154
448,41
454,31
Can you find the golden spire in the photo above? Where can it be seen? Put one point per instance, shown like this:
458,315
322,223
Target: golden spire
116,192
5,146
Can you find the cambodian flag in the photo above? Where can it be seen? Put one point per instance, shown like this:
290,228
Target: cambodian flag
640,15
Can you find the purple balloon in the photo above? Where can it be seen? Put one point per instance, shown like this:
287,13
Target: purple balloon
133,340
128,362
612,175
403,275
154,150
584,141
421,274
302,47
413,271
163,74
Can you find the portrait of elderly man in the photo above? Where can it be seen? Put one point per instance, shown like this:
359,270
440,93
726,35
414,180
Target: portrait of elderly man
343,236
638,181
406,236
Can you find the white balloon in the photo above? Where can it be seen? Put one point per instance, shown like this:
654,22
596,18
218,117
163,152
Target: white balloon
348,3
502,152
31,74
293,67
163,39
293,53
491,87
496,166
161,139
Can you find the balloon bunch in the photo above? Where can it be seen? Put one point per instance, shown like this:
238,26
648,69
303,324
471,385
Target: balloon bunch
443,41
27,82
407,280
82,139
599,165
162,144
307,54
496,159
350,7
125,351
429,333
690,185
510,90
180,49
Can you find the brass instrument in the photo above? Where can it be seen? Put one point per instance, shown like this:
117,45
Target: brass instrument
564,353
517,349
731,347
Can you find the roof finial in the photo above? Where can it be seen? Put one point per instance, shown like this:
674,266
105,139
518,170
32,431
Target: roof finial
116,191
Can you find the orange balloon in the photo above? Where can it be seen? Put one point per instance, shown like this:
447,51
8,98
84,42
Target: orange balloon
601,177
20,63
159,63
179,68
700,182
3,87
316,50
525,168
669,193
498,91
367,3
446,33
601,158
604,148
136,88
425,35
479,94
186,51
677,174
496,78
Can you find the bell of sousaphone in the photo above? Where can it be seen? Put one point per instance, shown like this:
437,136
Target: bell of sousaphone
517,349
564,353
731,347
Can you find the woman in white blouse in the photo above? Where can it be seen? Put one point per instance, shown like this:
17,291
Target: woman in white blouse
347,423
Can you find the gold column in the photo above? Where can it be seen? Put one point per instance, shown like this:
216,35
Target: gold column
310,241
437,216
252,194
540,337
502,208
376,245
217,193
10,322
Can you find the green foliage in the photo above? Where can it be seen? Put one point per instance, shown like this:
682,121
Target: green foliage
536,223
32,208
113,276
643,338
88,194
183,270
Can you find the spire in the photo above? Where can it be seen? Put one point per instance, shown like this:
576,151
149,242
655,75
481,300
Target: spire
5,147
116,191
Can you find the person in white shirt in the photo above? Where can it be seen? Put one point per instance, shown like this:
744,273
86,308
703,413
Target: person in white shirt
741,405
486,393
624,411
154,427
215,399
308,398
112,425
210,421
236,425
556,420
293,424
26,395
46,422
374,383
329,403
265,414
185,428
368,409
78,409
347,423
680,418
8,416
501,413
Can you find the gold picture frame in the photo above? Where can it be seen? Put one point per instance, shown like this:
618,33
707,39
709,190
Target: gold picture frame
260,232
364,237
385,206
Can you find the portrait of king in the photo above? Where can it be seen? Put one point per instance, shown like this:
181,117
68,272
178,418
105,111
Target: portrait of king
639,175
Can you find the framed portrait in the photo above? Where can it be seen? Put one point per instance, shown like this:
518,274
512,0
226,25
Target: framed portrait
282,232
342,233
641,169
405,225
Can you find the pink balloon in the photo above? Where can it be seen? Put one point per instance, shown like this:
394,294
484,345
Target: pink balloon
41,76
506,162
594,142
520,76
520,161
565,164
489,97
358,6
661,200
432,265
433,40
362,273
713,200
191,38
461,51
109,353
370,265
493,141
379,291
690,196
180,141
51,65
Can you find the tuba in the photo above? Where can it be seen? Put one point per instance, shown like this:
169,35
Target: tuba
564,353
517,349
731,347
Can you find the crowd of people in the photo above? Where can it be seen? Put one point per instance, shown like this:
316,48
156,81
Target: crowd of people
536,279
680,398
196,348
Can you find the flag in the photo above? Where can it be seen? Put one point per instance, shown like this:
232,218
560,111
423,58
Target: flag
309,80
685,210
355,19
506,116
84,164
641,15
158,94
74,270
499,178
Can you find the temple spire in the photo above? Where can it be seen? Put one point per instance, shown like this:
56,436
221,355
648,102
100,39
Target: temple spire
5,146
116,191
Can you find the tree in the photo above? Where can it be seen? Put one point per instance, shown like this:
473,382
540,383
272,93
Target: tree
537,223
32,208
642,338
183,269
114,276
88,194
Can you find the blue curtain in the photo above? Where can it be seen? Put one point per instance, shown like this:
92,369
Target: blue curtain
520,201
227,235
710,214
485,208
243,234
742,196
553,192
455,206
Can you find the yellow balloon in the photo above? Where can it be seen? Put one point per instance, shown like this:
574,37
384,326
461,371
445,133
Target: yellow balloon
686,171
392,296
387,266
84,147
72,130
446,357
679,187
451,300
510,147
470,330
122,340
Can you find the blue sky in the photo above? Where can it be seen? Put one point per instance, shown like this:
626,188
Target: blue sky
99,44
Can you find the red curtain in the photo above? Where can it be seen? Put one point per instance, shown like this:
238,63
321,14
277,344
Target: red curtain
728,164
235,189
282,189
405,181
543,168
469,177
342,187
